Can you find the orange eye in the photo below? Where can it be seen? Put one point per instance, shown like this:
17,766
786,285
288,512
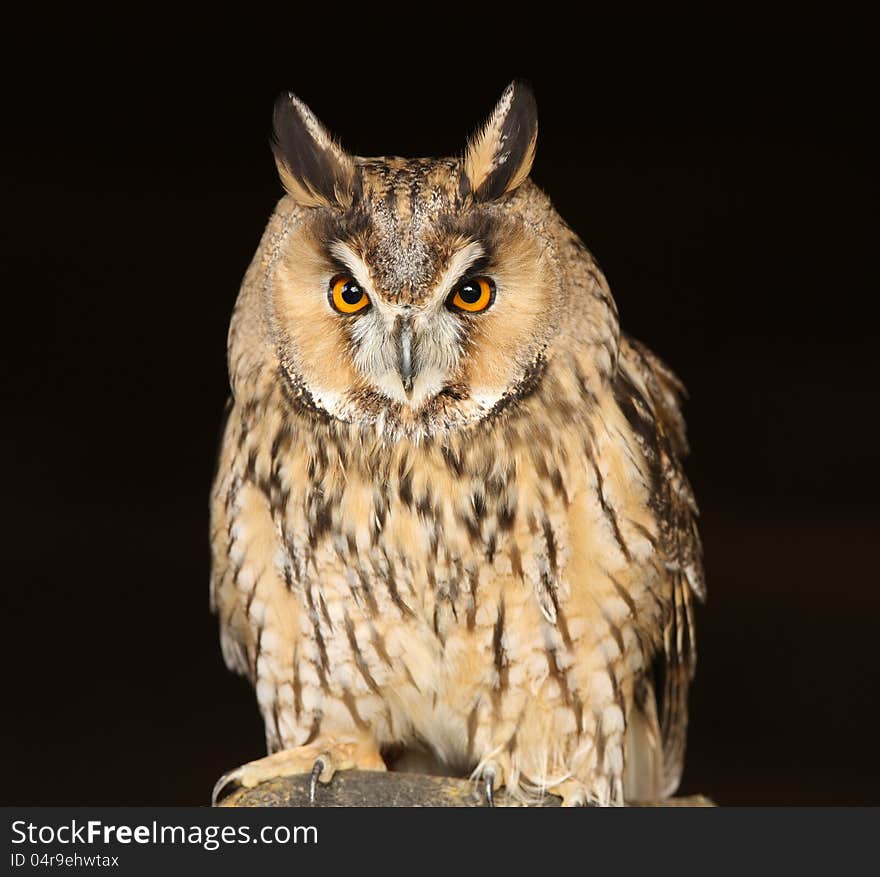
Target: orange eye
472,295
346,295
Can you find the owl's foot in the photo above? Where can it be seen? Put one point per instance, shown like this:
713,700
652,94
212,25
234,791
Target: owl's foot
319,761
572,792
575,793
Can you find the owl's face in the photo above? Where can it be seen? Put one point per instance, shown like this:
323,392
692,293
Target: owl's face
412,294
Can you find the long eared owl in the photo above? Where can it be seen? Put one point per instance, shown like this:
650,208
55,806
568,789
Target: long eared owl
450,525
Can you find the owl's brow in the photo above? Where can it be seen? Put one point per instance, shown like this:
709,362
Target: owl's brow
458,265
353,262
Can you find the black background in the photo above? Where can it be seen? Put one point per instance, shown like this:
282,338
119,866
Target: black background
719,164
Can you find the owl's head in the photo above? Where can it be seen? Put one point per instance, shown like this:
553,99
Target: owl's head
415,294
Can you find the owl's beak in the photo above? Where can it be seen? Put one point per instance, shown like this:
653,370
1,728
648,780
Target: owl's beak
404,355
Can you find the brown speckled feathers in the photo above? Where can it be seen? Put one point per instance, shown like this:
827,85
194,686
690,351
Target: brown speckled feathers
464,533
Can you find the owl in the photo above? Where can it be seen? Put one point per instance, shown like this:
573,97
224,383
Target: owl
450,527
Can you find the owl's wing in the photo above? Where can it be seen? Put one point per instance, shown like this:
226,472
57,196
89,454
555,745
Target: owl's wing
236,638
649,395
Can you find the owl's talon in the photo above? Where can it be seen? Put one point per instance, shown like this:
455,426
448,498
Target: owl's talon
317,770
489,783
224,787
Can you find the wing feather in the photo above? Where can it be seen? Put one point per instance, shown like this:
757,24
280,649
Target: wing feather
650,395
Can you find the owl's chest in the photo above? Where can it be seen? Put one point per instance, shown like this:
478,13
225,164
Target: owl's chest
409,569
408,573
427,583
421,535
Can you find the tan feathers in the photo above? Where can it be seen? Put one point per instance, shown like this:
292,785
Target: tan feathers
488,560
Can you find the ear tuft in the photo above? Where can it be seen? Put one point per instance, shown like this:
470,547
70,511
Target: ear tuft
500,155
314,169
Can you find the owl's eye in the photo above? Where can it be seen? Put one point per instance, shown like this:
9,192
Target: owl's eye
347,295
472,295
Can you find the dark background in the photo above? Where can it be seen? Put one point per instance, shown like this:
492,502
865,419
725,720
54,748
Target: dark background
722,168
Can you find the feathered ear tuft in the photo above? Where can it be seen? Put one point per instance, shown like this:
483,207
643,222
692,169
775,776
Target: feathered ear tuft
314,169
500,155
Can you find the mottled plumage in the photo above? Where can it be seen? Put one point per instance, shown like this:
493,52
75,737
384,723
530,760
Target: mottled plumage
466,535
